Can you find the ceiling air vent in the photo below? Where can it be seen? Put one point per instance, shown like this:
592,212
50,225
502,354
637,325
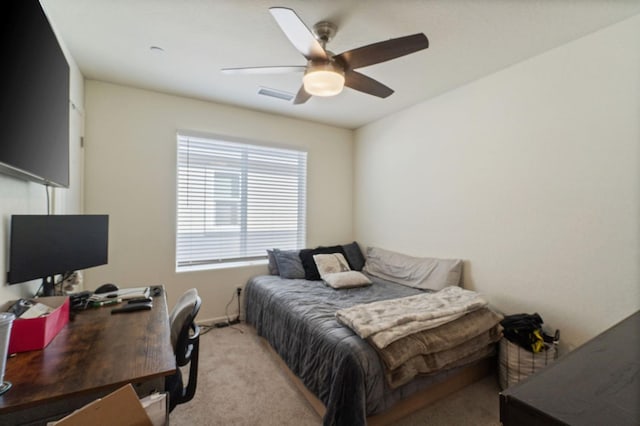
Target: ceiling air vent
274,93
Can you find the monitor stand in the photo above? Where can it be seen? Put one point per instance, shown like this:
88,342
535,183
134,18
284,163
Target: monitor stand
48,286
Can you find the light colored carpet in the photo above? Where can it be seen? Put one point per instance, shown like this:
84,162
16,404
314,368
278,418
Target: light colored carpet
239,383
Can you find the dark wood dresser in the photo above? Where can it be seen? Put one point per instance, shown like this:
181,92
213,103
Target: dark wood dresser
596,384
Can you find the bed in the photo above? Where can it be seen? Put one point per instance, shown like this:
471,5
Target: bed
297,317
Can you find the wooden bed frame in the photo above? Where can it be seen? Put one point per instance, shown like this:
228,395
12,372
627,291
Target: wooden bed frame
403,408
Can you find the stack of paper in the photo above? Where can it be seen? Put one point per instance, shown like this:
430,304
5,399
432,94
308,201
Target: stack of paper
36,310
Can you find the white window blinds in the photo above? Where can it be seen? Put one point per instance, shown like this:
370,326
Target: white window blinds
235,200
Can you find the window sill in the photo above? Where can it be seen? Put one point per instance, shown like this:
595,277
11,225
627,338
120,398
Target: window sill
225,265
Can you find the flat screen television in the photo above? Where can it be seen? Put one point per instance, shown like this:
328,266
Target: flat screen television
42,246
34,96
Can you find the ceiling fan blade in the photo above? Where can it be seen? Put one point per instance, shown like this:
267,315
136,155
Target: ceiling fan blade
301,97
264,70
382,51
298,33
365,84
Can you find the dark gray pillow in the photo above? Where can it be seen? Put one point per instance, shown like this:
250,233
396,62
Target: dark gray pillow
354,256
289,264
273,265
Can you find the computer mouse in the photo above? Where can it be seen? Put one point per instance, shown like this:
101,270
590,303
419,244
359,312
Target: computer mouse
106,288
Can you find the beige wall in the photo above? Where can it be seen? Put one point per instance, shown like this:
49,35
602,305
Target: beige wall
21,197
531,175
131,175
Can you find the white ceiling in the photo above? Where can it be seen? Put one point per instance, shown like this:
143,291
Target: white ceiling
111,39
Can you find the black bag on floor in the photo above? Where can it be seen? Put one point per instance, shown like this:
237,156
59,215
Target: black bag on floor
525,330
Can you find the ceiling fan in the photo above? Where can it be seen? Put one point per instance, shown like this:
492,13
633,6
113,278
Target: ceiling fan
325,73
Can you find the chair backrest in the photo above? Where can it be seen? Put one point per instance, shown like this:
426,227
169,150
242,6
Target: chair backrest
183,314
185,339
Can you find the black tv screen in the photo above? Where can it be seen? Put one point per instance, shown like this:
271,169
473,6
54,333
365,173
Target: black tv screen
34,96
46,245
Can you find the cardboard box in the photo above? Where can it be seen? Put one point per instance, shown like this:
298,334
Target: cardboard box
121,407
36,333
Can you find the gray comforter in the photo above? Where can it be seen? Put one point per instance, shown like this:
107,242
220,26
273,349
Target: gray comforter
297,317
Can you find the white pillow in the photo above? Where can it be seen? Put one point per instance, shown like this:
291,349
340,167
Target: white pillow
346,279
419,272
334,270
331,263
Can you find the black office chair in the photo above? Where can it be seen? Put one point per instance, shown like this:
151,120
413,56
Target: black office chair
185,338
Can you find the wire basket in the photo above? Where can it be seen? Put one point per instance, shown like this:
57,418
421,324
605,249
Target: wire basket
517,363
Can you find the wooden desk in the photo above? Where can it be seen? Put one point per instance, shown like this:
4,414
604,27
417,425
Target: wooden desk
94,354
596,384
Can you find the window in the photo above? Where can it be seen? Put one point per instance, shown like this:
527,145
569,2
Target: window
235,200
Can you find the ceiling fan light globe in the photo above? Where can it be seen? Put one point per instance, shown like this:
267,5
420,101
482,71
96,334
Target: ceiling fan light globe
323,82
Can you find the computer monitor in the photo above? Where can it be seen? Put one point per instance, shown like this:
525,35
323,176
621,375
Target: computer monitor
43,246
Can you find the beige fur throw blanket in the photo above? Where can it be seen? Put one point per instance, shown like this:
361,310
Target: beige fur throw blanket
386,321
464,354
439,339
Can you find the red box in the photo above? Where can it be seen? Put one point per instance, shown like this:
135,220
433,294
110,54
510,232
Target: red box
36,333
